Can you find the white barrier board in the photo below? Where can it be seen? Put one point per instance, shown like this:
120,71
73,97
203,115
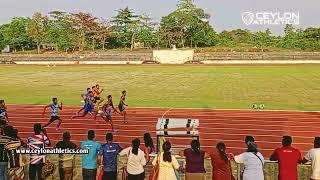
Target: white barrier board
178,133
173,56
167,123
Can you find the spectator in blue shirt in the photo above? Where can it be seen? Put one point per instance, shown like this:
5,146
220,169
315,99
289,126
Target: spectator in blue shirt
90,160
110,152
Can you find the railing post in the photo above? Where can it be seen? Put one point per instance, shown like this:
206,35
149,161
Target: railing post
238,171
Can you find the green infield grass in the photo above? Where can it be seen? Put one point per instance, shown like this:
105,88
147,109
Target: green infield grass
294,87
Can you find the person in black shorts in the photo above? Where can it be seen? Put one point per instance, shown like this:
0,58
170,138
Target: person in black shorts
107,109
54,107
122,106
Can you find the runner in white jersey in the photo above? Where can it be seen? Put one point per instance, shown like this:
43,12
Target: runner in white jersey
54,107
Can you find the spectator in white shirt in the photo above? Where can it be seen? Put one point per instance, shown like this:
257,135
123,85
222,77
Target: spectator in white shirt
314,156
253,161
136,161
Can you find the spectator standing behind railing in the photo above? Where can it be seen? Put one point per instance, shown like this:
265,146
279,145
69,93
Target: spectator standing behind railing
90,160
3,123
167,163
15,161
220,162
110,152
16,136
4,139
253,161
288,159
194,161
136,161
37,141
313,155
148,146
66,161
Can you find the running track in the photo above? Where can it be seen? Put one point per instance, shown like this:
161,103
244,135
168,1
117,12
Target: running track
231,126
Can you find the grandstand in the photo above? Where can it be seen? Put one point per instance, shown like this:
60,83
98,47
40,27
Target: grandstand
165,57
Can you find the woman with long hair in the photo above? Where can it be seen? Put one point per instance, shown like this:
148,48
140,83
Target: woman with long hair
253,161
136,161
167,163
148,146
194,161
220,162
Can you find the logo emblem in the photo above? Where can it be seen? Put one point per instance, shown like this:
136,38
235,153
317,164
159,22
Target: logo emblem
247,18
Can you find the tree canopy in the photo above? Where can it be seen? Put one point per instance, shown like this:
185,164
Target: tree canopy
188,26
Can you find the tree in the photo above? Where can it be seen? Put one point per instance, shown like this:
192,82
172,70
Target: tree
38,29
202,35
312,38
60,30
293,38
172,29
103,32
146,33
85,25
15,34
242,36
289,30
237,38
2,40
187,25
225,39
125,26
264,39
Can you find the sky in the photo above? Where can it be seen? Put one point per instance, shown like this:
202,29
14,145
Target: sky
225,14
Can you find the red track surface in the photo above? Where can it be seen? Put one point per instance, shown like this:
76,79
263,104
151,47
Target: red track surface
230,126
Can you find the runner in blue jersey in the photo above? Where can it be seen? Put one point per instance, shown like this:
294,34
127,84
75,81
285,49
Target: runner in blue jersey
84,97
88,107
54,108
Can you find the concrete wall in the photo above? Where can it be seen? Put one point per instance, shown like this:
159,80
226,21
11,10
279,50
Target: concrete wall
230,56
270,169
261,62
101,58
75,62
173,56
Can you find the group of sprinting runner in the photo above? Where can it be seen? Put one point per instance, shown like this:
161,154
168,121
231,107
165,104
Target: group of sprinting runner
92,105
